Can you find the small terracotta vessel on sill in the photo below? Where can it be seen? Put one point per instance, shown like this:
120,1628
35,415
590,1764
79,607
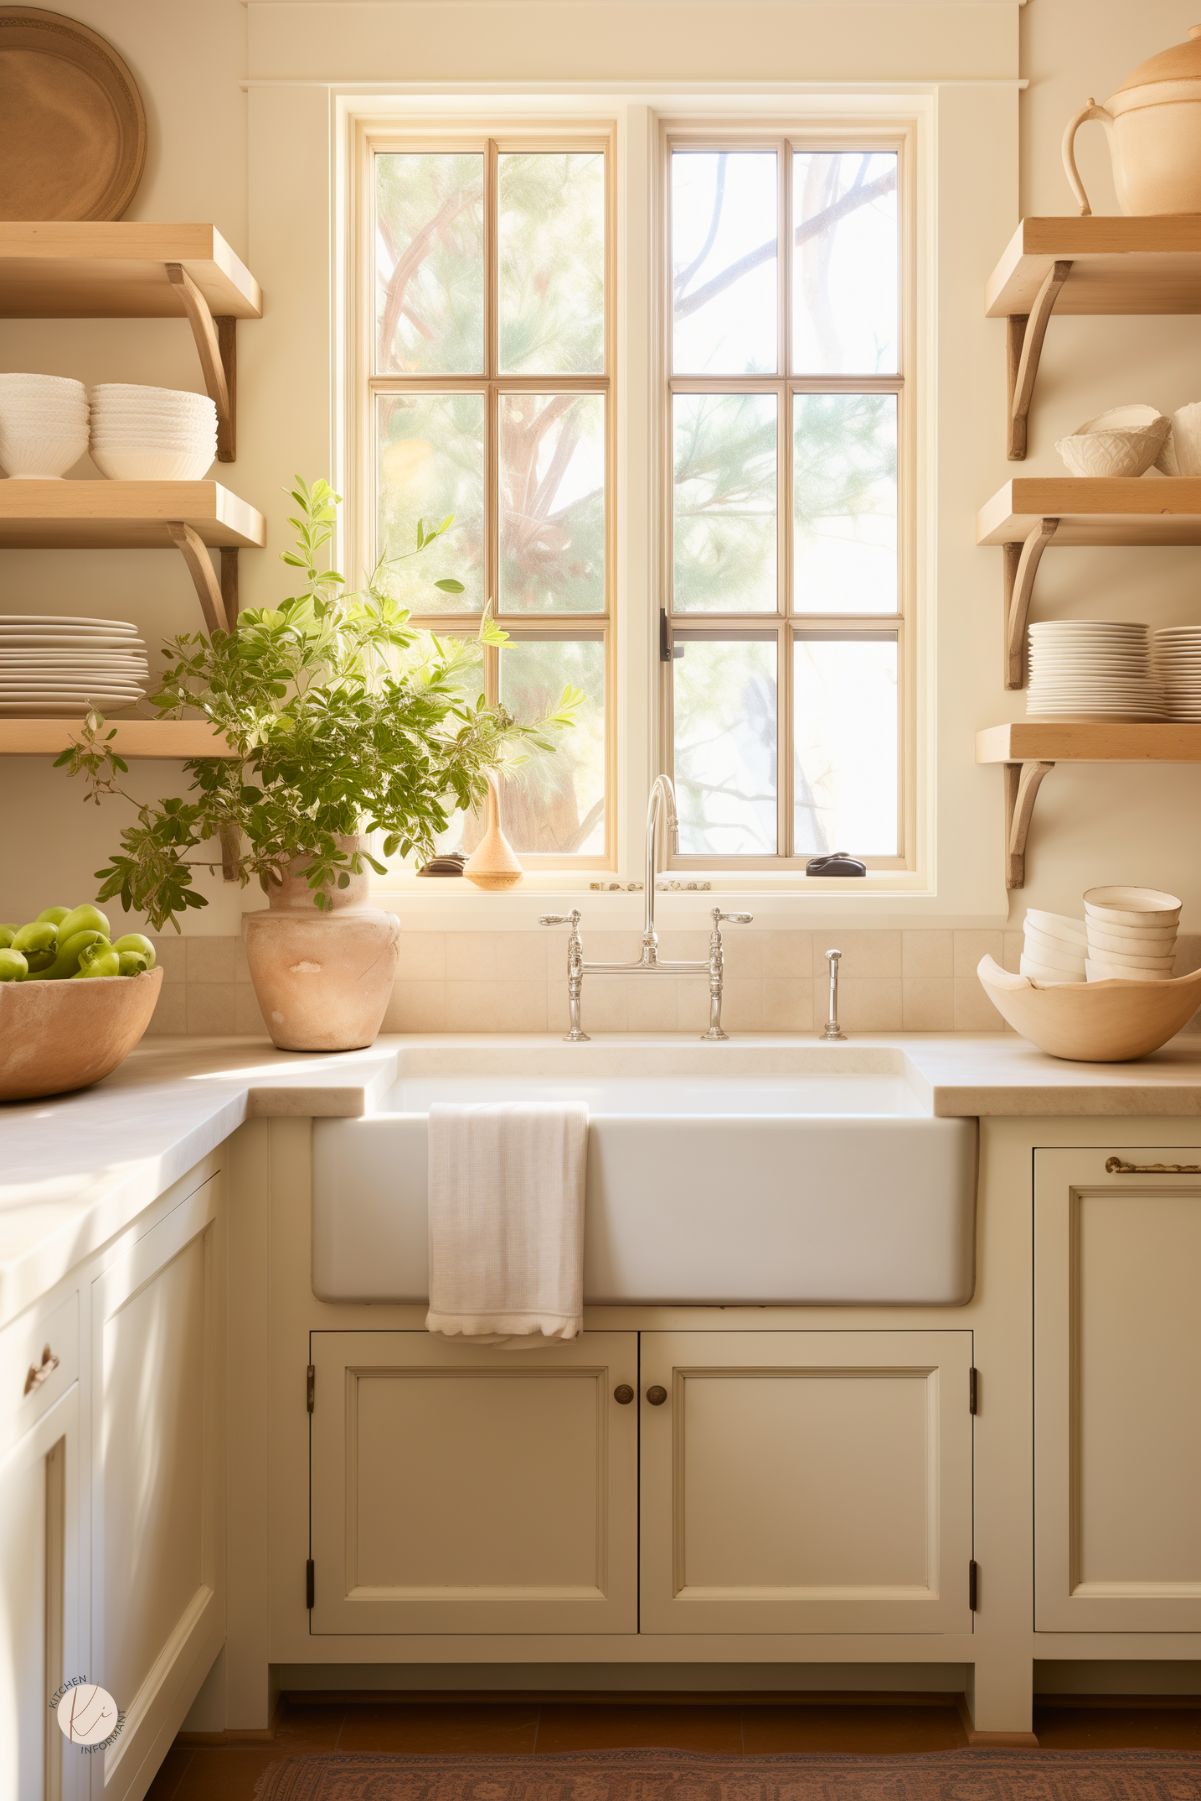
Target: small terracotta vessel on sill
322,979
493,864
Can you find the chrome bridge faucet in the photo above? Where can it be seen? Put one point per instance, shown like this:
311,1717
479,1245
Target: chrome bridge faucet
661,807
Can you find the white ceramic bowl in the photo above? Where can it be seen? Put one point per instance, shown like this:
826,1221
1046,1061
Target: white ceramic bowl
1124,441
123,394
1041,972
1181,453
50,386
41,455
1056,925
1124,906
1112,972
148,464
144,433
1130,940
1154,961
1053,953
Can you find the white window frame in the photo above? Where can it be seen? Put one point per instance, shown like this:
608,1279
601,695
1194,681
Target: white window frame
639,123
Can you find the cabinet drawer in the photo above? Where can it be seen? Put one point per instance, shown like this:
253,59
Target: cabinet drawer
39,1360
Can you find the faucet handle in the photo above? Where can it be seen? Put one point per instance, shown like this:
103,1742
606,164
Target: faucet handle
733,919
571,919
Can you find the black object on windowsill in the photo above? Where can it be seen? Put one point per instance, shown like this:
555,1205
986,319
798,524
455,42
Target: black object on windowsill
451,865
836,863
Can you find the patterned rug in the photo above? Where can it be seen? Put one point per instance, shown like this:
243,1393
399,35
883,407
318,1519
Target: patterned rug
695,1776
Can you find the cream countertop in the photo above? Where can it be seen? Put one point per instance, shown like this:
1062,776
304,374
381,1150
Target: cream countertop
76,1169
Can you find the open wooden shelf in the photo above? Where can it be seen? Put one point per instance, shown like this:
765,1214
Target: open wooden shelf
104,515
1143,509
52,269
1086,265
165,738
57,269
1029,750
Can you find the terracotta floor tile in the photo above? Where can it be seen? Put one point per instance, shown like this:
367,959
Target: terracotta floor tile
170,1774
851,1728
307,1726
453,1727
226,1772
1118,1728
568,1727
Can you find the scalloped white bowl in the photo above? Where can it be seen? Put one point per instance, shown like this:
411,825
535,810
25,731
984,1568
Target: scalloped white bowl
41,453
1123,441
1181,453
151,463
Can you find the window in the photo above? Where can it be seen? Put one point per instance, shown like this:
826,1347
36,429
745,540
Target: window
488,385
784,628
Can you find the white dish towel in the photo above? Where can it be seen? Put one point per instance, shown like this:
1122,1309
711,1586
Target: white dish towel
506,1222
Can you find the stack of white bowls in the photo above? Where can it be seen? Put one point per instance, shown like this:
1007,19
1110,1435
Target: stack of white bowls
1178,666
152,434
43,425
1131,934
1053,948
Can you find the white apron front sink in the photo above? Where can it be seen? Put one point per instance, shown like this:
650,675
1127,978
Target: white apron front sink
717,1174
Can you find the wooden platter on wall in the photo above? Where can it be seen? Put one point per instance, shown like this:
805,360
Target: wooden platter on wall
72,123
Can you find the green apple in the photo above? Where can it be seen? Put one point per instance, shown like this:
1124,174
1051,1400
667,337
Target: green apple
69,952
37,943
138,943
83,919
13,967
98,959
7,934
55,915
133,963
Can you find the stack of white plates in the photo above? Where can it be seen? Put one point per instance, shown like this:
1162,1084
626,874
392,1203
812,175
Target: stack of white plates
1178,667
1092,669
1053,948
43,425
1131,934
152,434
60,666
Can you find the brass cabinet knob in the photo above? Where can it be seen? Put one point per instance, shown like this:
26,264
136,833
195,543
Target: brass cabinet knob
656,1395
623,1394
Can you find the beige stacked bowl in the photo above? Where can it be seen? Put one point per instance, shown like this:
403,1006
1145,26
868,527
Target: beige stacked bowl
1131,934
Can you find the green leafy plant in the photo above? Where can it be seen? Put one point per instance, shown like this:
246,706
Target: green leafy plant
342,720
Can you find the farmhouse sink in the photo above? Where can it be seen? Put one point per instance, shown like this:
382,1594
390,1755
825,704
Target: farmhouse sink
732,1174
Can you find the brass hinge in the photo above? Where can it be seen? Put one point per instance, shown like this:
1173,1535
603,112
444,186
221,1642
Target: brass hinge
310,1386
973,1585
973,1390
309,1584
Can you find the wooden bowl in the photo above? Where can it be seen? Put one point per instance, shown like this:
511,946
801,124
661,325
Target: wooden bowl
55,1036
1092,1022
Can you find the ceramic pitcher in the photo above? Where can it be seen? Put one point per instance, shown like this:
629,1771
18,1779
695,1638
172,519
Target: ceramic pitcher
1153,123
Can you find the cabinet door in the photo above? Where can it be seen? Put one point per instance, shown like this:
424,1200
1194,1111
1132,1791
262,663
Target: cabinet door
463,1489
1117,1376
39,1605
158,1481
806,1482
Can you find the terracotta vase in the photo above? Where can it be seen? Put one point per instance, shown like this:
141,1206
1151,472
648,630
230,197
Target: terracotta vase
493,863
322,979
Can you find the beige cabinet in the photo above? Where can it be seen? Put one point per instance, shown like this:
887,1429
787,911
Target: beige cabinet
806,1482
1117,1380
157,1492
39,1605
460,1488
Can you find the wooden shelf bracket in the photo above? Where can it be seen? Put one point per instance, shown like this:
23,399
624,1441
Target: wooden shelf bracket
1022,783
218,597
216,345
1021,567
1025,344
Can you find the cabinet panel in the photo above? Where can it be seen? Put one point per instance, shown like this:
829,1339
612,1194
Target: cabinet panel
1117,1375
39,1606
806,1482
158,1482
465,1489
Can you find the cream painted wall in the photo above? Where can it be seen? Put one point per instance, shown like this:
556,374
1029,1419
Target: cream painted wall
258,164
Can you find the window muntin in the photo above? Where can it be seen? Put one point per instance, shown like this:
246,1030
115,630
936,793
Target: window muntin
489,396
784,569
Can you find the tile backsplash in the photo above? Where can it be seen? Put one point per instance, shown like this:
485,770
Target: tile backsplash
892,981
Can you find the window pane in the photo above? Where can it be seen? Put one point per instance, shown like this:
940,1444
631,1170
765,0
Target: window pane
845,770
552,262
556,802
846,262
844,557
724,510
725,748
429,453
429,263
724,268
552,523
